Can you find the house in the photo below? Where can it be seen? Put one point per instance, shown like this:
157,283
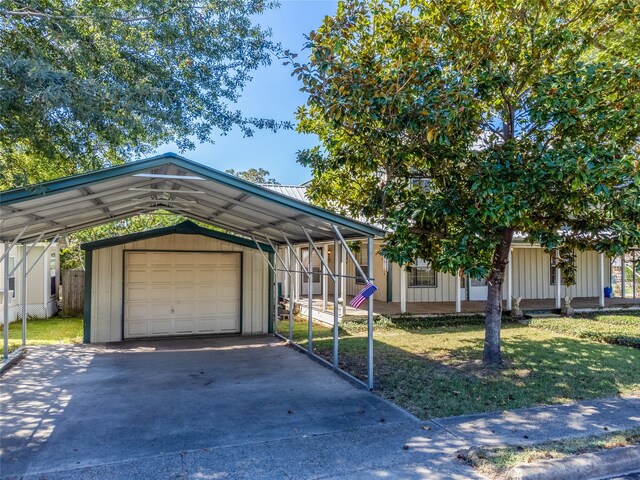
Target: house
531,278
43,269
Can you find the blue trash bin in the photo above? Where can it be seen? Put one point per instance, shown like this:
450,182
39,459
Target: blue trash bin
608,292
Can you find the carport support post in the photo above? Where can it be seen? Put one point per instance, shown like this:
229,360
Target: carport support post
310,299
290,293
325,283
370,317
336,285
5,302
23,300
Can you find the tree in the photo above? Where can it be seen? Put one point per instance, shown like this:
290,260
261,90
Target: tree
458,124
90,83
255,175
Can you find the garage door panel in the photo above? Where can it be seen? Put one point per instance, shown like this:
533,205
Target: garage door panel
159,293
178,293
228,292
184,309
137,258
185,327
137,329
183,276
161,327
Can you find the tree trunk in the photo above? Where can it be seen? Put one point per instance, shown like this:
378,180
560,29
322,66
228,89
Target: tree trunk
493,311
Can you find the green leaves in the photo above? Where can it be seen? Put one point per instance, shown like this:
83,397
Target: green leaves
91,83
522,116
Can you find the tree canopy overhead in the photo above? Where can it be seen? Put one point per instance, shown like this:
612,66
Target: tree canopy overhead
89,83
459,123
255,175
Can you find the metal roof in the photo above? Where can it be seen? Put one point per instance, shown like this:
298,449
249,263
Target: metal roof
299,192
172,183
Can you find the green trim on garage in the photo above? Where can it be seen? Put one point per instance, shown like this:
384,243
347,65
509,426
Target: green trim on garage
185,228
88,278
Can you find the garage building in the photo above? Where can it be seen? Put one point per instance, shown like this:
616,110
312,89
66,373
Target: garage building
176,281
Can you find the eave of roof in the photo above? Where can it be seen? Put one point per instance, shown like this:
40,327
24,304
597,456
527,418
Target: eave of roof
12,198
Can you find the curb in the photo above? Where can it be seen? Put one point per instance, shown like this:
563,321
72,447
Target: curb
616,461
14,357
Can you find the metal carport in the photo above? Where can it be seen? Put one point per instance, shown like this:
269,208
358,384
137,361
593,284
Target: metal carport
173,183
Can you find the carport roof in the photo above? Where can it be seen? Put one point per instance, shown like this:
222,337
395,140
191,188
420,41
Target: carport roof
172,183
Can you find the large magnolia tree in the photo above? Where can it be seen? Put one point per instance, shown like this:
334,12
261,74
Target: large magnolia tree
88,83
460,123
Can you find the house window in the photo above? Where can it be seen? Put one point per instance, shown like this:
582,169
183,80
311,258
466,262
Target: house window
422,275
552,271
363,260
12,278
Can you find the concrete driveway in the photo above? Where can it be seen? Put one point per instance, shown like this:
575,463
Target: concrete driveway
242,407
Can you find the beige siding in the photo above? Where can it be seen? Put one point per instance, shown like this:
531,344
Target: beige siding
531,279
445,290
531,274
107,286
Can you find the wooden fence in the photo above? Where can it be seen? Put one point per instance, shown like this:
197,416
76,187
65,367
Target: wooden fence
72,291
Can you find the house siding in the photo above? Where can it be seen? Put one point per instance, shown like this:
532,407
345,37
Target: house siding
40,304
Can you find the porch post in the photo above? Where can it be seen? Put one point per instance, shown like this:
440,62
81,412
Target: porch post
510,280
403,289
298,283
623,276
291,300
336,313
601,280
370,317
343,279
325,283
23,295
5,302
558,284
458,299
633,272
310,299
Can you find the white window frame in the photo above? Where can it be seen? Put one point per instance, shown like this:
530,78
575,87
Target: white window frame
421,265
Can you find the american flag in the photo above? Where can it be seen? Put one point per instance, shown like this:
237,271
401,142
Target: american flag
365,293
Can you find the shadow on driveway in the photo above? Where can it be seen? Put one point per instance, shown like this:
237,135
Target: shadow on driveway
236,407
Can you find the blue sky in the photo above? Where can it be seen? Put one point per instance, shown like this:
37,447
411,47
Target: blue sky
273,93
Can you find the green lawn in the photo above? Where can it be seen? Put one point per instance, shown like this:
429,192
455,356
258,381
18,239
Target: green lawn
433,366
617,328
45,331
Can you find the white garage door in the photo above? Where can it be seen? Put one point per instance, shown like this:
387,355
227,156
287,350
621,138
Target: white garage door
181,293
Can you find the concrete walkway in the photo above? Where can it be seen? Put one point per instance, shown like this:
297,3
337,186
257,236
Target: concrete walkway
241,408
539,424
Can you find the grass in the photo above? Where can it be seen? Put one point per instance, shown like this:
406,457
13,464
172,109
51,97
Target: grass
494,462
614,328
433,366
45,331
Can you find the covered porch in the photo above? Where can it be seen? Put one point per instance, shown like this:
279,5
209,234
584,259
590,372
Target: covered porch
466,307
